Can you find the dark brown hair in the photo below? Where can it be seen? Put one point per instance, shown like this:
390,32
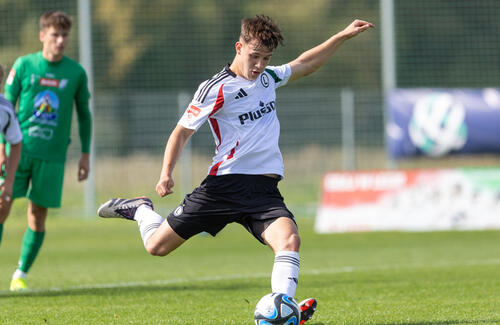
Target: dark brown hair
263,29
56,19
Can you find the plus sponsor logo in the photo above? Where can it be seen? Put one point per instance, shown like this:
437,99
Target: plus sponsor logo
257,114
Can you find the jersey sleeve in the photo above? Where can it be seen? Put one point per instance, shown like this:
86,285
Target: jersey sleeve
82,94
83,113
280,74
9,125
205,103
13,83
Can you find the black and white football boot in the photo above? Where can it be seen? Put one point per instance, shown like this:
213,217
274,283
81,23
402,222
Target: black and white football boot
122,208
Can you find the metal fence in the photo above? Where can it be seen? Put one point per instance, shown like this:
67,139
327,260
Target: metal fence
148,56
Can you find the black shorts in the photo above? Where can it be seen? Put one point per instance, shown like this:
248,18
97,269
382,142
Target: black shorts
253,201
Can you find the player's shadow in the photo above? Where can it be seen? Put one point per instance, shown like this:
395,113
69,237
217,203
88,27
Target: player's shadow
105,291
447,322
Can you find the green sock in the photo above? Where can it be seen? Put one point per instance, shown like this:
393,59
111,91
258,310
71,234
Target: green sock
32,242
1,231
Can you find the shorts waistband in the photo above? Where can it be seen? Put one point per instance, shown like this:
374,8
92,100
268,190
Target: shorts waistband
247,178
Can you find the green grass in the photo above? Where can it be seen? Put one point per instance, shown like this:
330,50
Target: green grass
93,271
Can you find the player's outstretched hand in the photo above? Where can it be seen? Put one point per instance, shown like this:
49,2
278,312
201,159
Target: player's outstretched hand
356,27
164,186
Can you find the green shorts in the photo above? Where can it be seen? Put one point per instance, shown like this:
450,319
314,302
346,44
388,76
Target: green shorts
46,178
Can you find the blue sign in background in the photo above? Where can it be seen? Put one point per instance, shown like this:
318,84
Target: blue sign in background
437,122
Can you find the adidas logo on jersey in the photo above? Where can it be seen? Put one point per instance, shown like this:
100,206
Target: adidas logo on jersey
241,94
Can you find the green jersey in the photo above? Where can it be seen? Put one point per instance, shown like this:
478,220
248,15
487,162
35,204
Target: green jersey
46,92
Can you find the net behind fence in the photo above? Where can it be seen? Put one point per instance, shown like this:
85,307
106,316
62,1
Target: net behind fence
149,54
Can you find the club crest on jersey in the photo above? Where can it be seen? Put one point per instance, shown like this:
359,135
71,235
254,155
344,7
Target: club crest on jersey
257,114
264,79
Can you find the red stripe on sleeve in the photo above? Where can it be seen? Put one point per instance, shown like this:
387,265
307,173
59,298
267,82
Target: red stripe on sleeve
219,102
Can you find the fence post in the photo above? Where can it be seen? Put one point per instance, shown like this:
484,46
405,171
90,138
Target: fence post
85,54
348,129
388,60
185,169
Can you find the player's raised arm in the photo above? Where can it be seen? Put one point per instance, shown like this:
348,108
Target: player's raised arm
313,59
176,143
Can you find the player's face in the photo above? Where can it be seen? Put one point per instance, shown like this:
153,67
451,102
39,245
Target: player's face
54,42
253,58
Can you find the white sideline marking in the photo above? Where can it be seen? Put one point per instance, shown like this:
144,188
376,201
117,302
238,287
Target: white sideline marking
346,269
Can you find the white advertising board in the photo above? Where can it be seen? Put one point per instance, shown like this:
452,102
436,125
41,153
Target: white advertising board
410,200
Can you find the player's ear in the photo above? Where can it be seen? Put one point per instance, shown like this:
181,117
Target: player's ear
41,34
238,47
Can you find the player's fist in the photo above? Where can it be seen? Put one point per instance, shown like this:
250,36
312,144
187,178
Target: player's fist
164,186
356,27
83,167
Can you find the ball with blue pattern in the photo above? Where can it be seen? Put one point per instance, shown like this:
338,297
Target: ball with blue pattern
277,309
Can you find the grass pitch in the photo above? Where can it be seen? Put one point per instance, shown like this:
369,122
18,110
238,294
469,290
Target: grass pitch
93,271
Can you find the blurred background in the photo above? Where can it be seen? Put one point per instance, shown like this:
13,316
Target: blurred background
145,59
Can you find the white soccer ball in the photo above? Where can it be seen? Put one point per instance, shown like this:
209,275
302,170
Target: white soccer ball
277,309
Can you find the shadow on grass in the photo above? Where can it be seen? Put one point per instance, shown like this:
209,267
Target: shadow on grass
128,289
445,322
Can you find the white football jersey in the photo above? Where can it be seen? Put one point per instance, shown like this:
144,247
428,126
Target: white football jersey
242,116
9,126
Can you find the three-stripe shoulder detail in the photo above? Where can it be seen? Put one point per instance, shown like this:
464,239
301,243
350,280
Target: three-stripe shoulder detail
202,94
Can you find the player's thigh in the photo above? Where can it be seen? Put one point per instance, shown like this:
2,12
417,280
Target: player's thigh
23,177
282,234
47,183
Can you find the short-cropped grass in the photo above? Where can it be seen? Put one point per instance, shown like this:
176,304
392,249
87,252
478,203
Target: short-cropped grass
93,271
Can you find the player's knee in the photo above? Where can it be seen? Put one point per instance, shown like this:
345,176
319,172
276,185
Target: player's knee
295,242
291,243
156,251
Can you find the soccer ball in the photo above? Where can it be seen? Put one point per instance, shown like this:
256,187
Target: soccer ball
277,309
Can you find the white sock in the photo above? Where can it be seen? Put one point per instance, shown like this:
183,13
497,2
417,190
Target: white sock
285,274
19,274
148,221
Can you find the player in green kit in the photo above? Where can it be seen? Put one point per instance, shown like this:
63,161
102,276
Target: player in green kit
46,84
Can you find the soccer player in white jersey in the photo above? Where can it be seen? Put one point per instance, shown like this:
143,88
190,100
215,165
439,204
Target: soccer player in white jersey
240,105
9,127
